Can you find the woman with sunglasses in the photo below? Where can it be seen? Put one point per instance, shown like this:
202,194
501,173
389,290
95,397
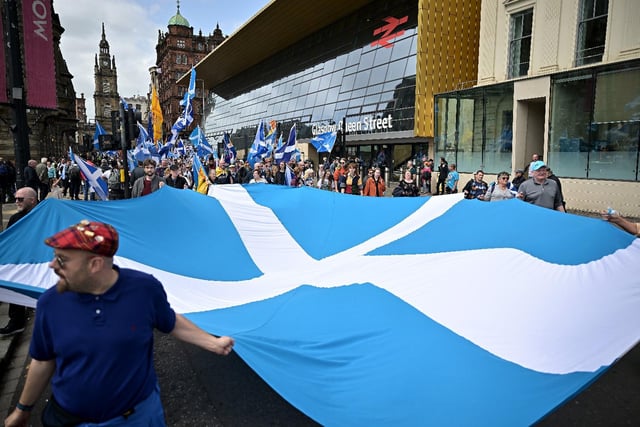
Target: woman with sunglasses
502,189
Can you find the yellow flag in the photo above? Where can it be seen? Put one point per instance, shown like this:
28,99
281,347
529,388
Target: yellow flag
157,116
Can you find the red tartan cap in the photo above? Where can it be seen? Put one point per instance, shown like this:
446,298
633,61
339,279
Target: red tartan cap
90,236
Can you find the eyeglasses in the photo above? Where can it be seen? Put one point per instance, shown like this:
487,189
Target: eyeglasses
504,177
59,261
19,199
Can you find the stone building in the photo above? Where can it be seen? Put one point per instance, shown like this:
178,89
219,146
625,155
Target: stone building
177,51
52,131
105,96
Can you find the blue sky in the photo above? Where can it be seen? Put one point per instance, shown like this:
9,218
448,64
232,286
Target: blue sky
131,27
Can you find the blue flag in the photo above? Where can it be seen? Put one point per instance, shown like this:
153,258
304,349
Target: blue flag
229,149
191,92
324,142
284,153
201,144
96,136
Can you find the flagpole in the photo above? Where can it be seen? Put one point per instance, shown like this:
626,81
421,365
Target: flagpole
124,145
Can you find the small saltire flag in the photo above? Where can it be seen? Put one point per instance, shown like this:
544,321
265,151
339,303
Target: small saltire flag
191,92
284,153
157,115
270,138
93,176
258,146
180,151
143,135
324,142
200,143
229,149
199,176
124,104
96,135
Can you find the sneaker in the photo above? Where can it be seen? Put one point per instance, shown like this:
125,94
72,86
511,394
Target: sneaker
10,330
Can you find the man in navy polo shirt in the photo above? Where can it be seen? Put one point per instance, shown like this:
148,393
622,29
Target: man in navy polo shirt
93,336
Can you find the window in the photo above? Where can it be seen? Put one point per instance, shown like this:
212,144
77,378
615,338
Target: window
520,43
178,59
106,87
107,110
592,31
180,44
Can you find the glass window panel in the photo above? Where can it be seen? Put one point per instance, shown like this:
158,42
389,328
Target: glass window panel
378,74
614,153
314,84
340,62
336,79
383,55
348,83
362,79
366,60
617,96
401,49
321,97
570,117
396,70
410,70
323,82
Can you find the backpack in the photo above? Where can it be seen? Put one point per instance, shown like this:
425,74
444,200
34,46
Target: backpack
113,183
74,171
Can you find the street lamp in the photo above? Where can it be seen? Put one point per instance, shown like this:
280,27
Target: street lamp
203,113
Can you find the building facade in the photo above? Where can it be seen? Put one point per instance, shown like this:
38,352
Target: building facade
52,131
105,95
366,68
560,78
177,51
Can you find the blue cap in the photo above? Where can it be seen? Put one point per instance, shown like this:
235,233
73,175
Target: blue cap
537,165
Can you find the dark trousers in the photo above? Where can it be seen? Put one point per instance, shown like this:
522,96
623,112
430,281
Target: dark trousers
440,188
17,315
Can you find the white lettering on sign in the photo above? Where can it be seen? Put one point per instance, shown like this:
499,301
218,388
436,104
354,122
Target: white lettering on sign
39,10
368,124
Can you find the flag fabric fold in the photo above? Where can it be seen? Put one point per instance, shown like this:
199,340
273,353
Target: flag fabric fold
324,142
320,327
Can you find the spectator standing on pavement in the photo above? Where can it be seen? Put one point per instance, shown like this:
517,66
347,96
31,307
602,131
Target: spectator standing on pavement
30,176
42,171
4,181
374,186
551,176
102,369
443,172
75,181
540,190
26,200
407,187
150,182
137,172
452,179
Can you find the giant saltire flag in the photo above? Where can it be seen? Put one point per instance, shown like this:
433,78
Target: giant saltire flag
156,111
93,176
404,318
324,142
286,151
96,135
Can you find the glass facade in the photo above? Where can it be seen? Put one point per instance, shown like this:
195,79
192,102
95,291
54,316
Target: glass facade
595,124
343,72
474,128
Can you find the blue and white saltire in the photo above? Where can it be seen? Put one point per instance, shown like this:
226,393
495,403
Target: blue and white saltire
324,142
230,153
200,143
93,175
270,142
180,151
125,106
284,153
96,135
191,91
143,136
258,148
501,330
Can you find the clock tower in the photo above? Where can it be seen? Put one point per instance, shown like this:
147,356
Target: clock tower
105,96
